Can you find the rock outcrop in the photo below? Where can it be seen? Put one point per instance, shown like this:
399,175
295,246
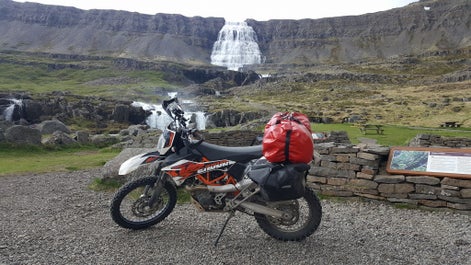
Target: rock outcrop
425,26
414,29
23,135
116,33
66,108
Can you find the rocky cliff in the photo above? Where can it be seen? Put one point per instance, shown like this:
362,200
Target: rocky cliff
54,29
417,28
427,25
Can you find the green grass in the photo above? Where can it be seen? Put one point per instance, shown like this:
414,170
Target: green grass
25,160
107,185
392,136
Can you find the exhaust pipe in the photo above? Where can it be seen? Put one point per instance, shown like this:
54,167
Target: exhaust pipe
231,187
255,207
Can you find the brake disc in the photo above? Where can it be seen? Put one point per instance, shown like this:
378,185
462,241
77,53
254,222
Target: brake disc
141,207
292,213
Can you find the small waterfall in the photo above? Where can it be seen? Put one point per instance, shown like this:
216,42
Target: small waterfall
236,46
172,94
9,112
159,119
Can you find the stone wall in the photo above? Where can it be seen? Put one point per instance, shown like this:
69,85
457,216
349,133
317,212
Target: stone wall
360,171
427,140
234,138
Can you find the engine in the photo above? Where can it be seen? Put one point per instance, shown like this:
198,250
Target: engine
205,200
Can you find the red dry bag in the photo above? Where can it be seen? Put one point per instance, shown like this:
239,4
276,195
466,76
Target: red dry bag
288,138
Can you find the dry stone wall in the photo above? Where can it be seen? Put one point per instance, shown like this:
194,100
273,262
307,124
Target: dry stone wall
347,171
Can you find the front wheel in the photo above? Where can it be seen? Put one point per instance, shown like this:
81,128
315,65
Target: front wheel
305,217
130,206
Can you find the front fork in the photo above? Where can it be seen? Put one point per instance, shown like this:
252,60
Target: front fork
157,189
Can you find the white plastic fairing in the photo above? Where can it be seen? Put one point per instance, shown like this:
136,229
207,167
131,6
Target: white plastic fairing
131,164
165,141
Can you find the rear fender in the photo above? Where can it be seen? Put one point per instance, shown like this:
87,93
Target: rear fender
134,162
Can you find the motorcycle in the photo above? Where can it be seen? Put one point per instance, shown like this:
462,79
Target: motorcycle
218,179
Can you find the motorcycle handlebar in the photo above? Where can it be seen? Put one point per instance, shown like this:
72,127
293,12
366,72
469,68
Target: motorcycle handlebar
192,133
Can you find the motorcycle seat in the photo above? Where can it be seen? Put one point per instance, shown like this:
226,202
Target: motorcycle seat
239,154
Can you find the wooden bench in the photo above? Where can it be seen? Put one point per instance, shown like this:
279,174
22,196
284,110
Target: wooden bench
371,127
450,124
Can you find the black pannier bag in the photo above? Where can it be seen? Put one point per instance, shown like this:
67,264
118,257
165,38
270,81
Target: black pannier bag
278,182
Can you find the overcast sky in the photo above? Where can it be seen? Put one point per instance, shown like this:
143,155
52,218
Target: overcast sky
239,10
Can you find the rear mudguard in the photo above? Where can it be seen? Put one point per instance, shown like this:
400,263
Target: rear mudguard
134,162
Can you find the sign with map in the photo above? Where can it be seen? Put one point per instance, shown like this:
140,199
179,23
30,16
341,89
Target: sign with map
448,162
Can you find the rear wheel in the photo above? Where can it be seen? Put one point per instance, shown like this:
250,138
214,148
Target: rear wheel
130,206
305,217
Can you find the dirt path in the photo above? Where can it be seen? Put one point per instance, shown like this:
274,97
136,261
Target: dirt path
55,219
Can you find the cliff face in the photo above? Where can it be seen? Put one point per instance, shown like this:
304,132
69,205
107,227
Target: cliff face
420,27
35,27
416,28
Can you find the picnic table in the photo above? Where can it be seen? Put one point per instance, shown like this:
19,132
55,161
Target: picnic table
450,124
364,127
371,127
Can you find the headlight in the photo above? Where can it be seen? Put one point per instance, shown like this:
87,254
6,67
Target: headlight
165,141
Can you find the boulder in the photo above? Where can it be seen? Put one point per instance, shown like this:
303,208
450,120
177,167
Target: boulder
50,126
121,113
82,137
59,138
32,110
230,117
137,115
103,140
111,168
19,134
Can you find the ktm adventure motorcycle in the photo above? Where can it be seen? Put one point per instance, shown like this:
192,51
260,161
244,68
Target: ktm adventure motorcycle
219,179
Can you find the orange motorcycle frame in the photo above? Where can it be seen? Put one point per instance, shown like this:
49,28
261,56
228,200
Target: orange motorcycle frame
203,171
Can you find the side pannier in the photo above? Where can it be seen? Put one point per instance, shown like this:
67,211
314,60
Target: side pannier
278,182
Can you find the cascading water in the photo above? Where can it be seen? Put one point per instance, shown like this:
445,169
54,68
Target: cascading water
9,111
236,46
159,119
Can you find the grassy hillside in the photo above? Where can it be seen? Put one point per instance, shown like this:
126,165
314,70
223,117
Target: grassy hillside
100,76
423,91
407,95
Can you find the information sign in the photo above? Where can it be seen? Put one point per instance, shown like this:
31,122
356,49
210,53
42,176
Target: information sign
448,162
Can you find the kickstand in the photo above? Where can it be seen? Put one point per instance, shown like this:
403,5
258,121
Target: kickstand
231,214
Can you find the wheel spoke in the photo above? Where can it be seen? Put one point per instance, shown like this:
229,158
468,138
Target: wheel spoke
130,206
135,206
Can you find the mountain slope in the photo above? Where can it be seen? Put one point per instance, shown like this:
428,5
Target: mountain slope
54,29
420,27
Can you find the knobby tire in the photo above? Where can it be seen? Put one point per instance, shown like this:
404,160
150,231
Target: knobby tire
116,210
270,226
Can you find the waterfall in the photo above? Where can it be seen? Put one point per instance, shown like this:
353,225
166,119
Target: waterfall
172,94
9,111
236,46
159,119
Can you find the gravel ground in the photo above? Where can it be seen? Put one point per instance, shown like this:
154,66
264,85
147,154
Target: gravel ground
54,219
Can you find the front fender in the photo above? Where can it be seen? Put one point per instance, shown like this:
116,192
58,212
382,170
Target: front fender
134,162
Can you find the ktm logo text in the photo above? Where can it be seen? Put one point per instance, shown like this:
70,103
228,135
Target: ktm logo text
213,166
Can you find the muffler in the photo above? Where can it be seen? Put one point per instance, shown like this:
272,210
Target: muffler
258,208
